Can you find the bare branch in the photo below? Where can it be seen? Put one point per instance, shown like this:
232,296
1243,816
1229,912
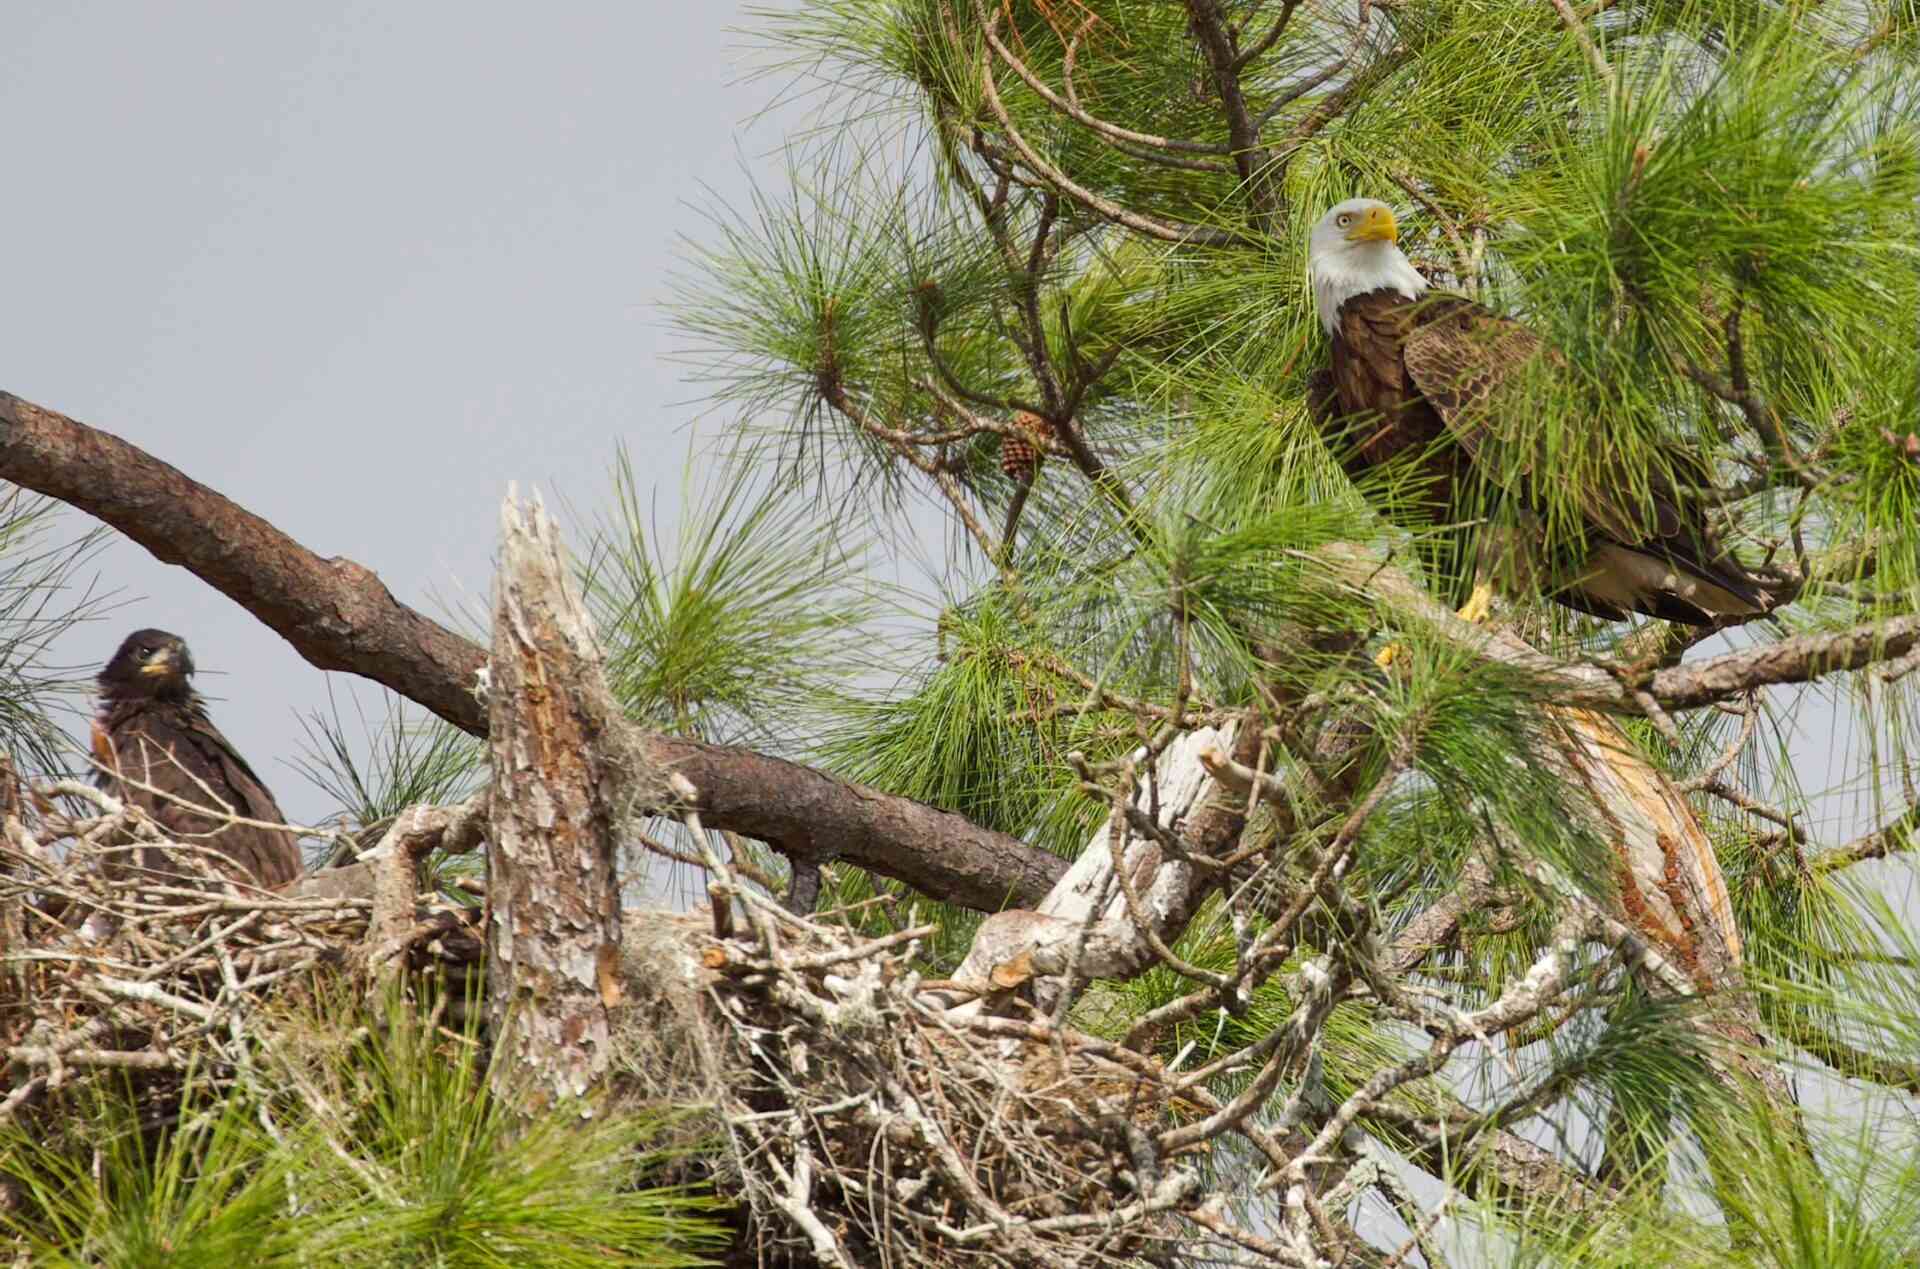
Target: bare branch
1738,391
334,612
1356,90
1439,923
1314,82
1797,660
1749,720
836,396
1690,686
1584,38
1847,1059
1465,264
1898,835
1070,107
1262,46
1258,175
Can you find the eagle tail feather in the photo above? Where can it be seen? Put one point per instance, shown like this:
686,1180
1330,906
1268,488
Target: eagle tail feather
1674,581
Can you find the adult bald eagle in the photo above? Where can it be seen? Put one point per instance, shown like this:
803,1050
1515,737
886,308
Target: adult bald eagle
1419,378
156,749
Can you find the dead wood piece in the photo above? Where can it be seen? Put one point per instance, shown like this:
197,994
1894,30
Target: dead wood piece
414,833
1089,921
565,777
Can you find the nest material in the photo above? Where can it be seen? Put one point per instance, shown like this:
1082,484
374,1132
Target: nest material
860,1120
868,1126
106,971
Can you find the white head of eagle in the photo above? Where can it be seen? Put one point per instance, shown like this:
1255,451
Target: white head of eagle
1356,249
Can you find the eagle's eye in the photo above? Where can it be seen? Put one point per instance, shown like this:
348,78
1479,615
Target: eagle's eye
1346,218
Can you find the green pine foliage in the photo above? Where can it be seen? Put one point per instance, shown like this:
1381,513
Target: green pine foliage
1710,208
741,628
42,595
399,758
368,1141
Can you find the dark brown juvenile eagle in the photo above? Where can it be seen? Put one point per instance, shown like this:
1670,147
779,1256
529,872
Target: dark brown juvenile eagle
1419,377
156,749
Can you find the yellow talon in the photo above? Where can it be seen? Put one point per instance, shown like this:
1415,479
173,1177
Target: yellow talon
1479,605
1477,609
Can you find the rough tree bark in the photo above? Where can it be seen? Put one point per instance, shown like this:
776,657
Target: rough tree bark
336,613
565,773
568,768
339,616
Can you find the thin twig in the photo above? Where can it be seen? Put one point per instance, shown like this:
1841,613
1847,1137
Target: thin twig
1585,40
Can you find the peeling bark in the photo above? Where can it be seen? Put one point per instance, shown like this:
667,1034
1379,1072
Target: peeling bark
1672,891
563,773
1674,906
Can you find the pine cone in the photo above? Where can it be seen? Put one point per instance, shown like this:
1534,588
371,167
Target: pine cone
929,305
1018,458
1019,449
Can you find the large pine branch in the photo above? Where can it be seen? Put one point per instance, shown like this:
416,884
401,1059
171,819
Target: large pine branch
338,615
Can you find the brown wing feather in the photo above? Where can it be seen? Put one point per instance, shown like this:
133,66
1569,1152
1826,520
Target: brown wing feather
196,774
1472,364
1464,358
1374,416
1386,416
1443,368
1390,415
1459,355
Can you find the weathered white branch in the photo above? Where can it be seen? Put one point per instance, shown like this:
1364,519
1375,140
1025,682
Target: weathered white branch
1085,921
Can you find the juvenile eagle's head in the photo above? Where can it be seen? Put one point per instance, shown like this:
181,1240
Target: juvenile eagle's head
150,665
1355,249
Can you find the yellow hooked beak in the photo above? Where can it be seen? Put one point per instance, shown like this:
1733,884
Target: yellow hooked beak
1375,225
163,662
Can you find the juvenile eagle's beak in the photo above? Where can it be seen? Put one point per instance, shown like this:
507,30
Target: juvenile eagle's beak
1377,225
164,662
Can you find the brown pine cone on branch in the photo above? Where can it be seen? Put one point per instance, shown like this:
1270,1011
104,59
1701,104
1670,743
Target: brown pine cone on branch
1020,450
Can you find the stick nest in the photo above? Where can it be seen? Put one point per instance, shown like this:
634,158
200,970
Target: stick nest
867,1125
861,1120
110,970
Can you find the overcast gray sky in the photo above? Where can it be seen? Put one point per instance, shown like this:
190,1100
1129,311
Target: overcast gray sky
357,265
